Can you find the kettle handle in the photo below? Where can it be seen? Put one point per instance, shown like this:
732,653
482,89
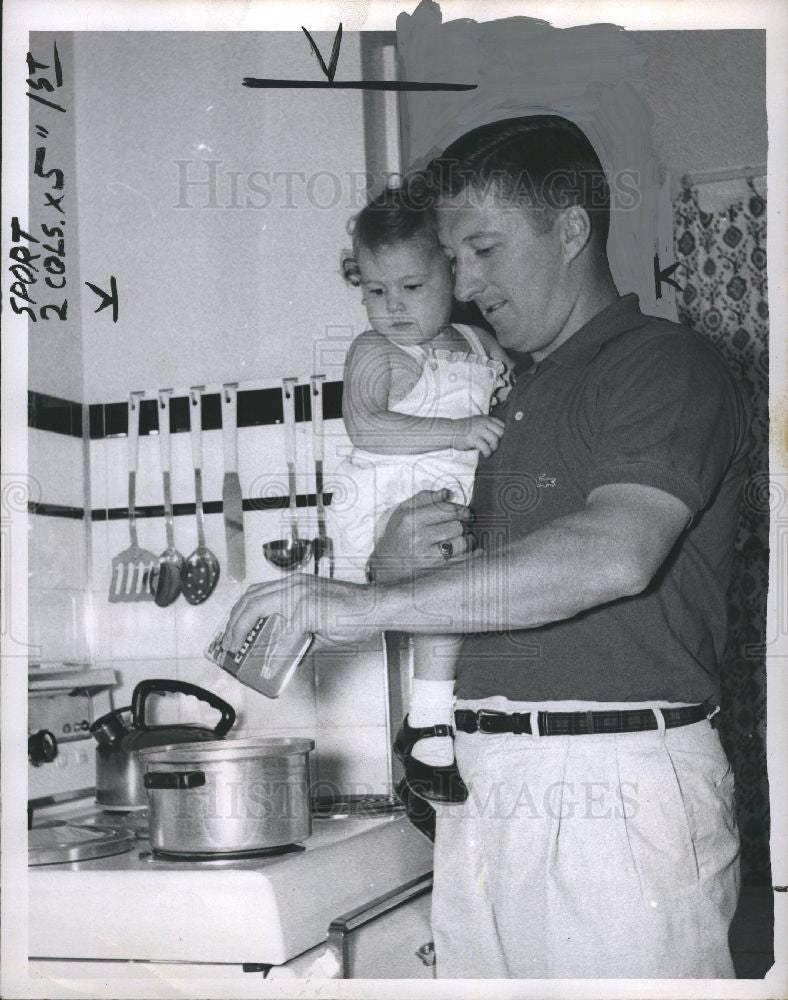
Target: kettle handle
162,686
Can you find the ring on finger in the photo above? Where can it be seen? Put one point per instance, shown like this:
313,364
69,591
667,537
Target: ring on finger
446,550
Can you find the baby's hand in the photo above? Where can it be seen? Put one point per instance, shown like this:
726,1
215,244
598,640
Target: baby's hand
482,433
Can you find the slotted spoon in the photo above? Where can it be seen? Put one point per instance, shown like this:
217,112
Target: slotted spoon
200,572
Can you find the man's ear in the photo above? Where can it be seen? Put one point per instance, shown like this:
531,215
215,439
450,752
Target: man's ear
575,231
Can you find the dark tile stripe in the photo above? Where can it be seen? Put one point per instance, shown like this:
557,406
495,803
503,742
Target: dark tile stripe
256,408
56,510
50,413
209,507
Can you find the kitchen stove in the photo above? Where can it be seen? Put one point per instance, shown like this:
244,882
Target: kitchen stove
267,911
194,858
95,920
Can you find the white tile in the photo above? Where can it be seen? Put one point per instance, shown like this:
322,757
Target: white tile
293,709
212,465
56,461
57,552
351,686
149,480
262,466
98,474
148,484
141,630
99,626
100,557
353,760
151,536
182,468
56,623
117,465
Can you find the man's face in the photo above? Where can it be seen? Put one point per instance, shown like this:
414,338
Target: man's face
514,273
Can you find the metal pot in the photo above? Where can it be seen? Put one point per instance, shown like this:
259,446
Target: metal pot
230,797
121,734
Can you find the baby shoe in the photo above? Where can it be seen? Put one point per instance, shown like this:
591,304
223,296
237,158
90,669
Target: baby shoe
440,784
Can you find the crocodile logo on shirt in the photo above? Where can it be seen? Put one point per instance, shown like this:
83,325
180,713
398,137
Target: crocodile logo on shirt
544,481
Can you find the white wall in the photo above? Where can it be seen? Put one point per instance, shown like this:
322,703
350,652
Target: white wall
231,291
707,90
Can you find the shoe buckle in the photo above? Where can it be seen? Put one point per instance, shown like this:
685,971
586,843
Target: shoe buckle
486,714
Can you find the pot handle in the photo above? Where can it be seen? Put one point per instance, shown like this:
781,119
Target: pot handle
162,686
174,779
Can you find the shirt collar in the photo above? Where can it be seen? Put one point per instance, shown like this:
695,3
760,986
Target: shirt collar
621,315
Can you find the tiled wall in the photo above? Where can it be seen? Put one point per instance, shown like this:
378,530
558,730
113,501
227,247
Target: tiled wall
57,549
337,699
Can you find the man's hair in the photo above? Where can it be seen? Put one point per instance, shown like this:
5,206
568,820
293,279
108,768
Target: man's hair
389,219
542,162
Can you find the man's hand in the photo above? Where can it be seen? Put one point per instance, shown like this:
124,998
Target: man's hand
333,611
414,533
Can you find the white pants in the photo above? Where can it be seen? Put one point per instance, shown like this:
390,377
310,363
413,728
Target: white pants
601,856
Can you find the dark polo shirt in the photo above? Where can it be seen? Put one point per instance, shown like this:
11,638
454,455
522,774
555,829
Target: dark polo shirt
627,399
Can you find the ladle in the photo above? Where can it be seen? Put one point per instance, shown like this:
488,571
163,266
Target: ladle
200,572
289,553
169,580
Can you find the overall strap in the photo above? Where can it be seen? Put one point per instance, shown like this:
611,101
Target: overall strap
472,337
415,351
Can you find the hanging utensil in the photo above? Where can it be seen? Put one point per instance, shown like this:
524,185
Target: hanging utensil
201,570
232,502
131,569
288,553
167,586
322,546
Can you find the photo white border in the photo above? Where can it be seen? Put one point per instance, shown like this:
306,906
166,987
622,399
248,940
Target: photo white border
22,16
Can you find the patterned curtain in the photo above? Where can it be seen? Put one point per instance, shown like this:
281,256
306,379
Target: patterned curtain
724,297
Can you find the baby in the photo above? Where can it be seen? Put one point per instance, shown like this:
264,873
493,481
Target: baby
417,395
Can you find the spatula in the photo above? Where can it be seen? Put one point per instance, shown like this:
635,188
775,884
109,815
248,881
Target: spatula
232,501
131,569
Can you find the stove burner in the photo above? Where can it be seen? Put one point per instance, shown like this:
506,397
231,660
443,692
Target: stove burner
370,805
200,858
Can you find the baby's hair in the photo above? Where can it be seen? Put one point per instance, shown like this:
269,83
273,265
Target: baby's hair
389,219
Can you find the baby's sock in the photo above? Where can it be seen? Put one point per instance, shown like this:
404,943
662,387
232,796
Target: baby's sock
430,705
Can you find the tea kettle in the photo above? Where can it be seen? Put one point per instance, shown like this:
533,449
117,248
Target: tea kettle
122,733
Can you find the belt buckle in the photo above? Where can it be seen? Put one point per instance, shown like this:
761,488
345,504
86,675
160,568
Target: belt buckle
486,713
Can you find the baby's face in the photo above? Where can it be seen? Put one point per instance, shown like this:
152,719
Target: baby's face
407,290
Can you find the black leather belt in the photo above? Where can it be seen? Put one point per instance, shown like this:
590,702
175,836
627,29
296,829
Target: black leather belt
630,720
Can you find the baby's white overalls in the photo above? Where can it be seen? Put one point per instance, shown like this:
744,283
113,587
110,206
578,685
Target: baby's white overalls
367,486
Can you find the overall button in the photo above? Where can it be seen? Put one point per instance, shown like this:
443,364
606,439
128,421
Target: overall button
518,415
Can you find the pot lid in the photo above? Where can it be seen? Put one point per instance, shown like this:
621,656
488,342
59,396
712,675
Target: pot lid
248,748
63,842
159,736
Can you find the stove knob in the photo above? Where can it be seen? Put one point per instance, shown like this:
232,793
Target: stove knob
41,747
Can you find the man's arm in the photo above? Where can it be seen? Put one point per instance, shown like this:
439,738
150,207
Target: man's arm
609,550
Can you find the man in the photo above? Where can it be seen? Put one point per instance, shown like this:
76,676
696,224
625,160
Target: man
598,839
